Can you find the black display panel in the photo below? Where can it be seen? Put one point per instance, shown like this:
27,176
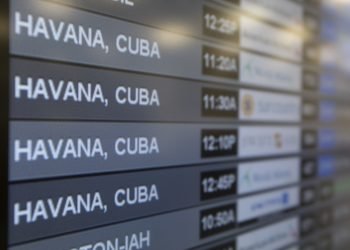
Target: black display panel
203,124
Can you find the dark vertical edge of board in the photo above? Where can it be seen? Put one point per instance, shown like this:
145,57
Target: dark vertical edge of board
4,106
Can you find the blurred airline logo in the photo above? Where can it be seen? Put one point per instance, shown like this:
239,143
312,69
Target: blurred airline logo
278,140
248,105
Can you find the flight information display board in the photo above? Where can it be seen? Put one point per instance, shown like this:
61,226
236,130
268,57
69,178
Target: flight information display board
153,124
